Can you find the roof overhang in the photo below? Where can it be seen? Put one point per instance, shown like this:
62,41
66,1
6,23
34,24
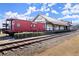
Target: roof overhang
53,21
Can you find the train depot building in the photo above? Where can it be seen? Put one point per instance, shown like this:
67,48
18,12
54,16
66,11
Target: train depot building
40,23
53,24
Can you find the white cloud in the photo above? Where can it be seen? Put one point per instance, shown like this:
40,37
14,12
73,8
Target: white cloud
76,6
66,12
68,16
67,6
48,9
44,7
51,4
10,14
60,7
16,15
47,14
66,9
74,16
75,9
74,22
69,9
54,11
30,10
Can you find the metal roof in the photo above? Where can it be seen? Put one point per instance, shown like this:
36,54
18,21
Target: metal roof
54,21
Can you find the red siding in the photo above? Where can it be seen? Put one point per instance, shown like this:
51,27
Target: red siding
38,26
26,26
21,26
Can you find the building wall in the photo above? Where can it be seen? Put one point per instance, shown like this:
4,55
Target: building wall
49,27
54,27
61,27
40,19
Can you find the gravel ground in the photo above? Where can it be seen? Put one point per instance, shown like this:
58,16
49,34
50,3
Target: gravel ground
38,48
70,47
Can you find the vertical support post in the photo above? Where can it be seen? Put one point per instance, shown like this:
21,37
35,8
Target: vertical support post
68,27
59,27
6,24
11,25
64,27
46,26
53,27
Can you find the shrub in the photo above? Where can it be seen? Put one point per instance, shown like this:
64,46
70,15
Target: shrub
30,34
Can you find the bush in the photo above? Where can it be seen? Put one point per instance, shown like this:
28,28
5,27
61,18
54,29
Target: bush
25,35
33,34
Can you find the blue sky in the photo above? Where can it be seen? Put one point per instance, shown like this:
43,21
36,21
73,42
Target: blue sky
59,11
22,8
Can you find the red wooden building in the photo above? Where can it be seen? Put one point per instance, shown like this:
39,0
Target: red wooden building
17,25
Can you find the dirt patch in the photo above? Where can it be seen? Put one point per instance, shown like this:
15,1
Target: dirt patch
70,47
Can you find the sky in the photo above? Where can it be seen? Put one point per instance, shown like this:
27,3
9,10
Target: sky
58,11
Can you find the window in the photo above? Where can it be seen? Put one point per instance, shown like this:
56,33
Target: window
33,25
18,25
